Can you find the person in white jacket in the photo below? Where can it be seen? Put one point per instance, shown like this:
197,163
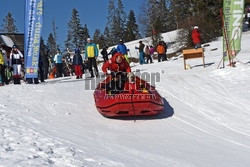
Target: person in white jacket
16,58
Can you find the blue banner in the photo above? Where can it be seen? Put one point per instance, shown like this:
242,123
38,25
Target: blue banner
33,29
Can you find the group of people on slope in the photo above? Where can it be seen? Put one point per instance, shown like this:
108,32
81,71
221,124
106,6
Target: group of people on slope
149,51
121,48
90,56
120,78
12,64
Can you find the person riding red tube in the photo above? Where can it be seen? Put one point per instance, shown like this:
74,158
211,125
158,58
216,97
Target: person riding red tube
117,63
116,68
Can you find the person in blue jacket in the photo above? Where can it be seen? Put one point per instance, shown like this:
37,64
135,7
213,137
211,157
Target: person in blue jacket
121,48
91,54
58,59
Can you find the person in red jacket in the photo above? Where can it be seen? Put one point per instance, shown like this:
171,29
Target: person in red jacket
196,37
117,63
116,68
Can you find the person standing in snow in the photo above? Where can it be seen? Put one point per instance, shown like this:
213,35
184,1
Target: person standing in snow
91,54
1,68
141,53
78,62
41,68
148,55
16,58
166,48
196,37
160,49
151,51
58,59
104,54
121,48
3,65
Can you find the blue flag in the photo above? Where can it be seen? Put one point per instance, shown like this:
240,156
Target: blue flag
33,29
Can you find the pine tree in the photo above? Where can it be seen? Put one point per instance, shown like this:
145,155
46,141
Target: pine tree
203,13
132,31
43,47
54,31
84,34
151,21
9,24
76,32
116,22
96,36
109,30
163,15
51,45
120,21
106,37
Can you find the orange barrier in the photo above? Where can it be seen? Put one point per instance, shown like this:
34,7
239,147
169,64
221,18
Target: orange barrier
52,74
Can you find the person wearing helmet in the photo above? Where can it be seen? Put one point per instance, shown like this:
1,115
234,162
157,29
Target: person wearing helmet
121,48
16,63
78,62
91,54
196,37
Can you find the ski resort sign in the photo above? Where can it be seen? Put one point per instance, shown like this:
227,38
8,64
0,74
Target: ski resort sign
233,18
33,28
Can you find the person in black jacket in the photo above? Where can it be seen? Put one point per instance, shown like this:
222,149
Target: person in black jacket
41,69
105,54
78,62
113,51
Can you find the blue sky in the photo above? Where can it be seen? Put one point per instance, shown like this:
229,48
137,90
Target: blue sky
92,12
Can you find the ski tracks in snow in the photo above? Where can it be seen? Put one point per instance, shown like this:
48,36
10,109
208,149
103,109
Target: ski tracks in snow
211,122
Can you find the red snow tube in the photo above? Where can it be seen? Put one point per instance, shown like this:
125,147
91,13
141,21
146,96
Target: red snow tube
146,101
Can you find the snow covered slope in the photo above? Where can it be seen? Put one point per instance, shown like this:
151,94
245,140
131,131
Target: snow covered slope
205,121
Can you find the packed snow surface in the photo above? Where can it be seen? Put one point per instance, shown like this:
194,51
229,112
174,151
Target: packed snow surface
205,122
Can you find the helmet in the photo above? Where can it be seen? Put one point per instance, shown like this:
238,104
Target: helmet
77,50
196,27
14,46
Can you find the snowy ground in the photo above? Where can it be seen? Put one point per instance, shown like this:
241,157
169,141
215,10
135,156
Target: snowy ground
205,121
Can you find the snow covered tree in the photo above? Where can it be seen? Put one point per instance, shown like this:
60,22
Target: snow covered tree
9,24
